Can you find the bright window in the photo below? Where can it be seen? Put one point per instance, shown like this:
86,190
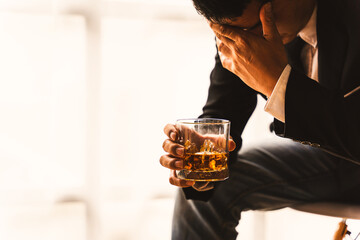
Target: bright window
86,88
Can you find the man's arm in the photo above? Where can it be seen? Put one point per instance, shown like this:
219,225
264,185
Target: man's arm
321,118
228,98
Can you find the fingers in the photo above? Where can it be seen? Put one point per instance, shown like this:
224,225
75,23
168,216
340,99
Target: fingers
227,31
223,45
174,180
227,45
270,31
171,131
221,142
222,39
225,53
174,149
171,162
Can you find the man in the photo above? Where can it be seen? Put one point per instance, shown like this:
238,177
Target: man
303,57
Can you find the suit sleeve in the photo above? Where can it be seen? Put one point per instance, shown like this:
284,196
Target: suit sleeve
228,98
321,118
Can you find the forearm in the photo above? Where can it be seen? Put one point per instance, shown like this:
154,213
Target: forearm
321,118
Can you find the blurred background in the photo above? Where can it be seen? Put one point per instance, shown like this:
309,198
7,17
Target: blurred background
86,88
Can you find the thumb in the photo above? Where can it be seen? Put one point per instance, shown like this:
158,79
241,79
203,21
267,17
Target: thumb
270,31
232,145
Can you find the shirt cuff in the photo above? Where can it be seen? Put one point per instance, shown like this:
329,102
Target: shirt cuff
275,105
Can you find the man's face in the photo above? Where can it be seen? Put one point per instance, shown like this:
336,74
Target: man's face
290,17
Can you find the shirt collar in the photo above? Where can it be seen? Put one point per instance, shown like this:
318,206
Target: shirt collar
308,33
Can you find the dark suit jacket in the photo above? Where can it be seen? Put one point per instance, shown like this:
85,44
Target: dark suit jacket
318,114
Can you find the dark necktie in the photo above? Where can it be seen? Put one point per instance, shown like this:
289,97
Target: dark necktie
293,50
307,56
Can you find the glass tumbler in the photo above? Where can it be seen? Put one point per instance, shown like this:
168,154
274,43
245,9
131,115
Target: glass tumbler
206,143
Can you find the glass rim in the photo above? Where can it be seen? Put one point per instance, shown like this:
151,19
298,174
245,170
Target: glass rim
203,121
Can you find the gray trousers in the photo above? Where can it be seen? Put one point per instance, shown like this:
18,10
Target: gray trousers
269,177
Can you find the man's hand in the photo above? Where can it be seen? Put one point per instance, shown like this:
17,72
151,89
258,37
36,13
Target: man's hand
257,60
174,159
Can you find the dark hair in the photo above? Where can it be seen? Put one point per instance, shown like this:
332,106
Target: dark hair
220,10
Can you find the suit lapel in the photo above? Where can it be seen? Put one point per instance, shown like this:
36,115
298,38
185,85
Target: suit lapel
332,43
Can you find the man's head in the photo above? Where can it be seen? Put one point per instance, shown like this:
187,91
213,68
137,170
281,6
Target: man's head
219,10
290,15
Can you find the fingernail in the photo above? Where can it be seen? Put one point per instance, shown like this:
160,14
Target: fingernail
173,136
180,151
179,164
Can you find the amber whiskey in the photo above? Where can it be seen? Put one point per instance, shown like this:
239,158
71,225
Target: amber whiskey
205,161
205,166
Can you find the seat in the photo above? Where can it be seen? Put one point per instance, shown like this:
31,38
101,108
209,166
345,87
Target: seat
341,210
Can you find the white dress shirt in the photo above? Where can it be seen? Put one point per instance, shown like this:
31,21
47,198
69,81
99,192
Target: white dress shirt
276,102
